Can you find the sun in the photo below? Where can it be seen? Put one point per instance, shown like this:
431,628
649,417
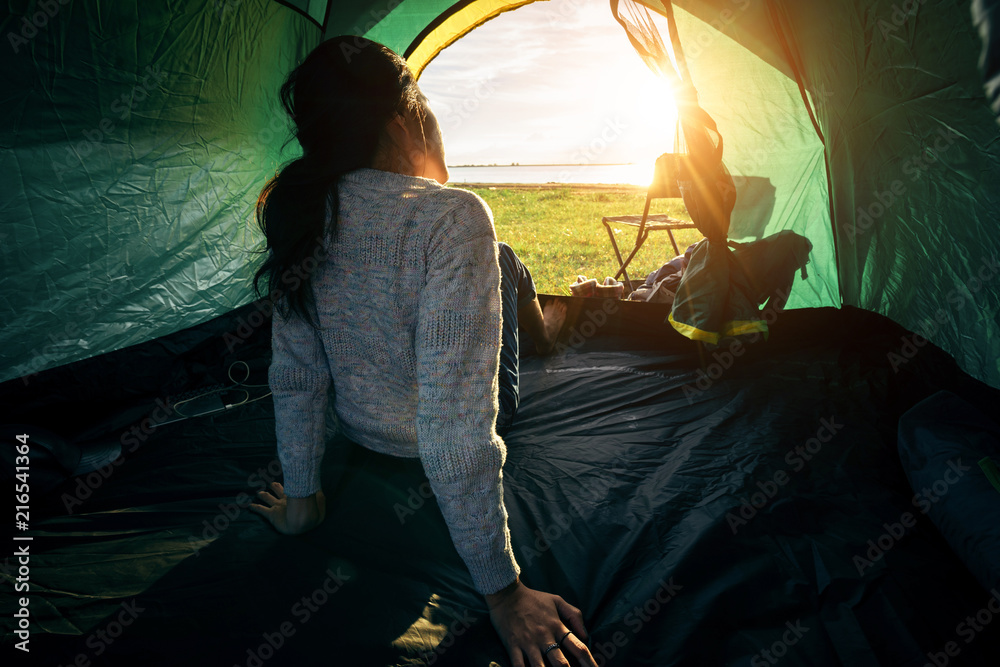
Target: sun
652,111
556,99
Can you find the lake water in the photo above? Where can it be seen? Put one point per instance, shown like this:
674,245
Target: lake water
610,174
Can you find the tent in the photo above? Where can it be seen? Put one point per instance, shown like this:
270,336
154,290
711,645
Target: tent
136,144
136,140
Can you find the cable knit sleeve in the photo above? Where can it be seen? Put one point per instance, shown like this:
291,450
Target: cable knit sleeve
458,348
299,378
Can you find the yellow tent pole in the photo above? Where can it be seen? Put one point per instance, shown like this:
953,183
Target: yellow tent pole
454,26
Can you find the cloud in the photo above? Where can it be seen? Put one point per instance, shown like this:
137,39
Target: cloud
537,85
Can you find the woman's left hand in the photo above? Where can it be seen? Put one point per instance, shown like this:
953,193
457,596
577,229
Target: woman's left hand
291,516
529,622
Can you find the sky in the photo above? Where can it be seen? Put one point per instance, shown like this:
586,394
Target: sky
551,82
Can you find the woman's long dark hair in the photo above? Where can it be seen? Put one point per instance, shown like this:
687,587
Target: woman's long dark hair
340,99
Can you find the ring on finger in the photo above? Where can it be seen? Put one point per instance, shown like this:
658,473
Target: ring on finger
551,647
564,638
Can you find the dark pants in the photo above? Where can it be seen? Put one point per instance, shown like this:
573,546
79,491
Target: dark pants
517,289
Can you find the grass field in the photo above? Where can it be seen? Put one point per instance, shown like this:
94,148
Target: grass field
556,230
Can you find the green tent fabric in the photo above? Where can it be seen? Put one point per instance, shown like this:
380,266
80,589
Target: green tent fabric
136,139
135,142
713,299
907,165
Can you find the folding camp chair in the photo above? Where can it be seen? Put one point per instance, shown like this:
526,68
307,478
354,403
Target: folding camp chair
664,186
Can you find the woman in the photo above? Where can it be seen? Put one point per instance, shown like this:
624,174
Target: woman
385,285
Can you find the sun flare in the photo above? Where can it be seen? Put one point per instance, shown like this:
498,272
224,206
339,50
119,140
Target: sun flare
530,88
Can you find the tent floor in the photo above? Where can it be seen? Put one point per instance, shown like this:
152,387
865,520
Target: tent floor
753,516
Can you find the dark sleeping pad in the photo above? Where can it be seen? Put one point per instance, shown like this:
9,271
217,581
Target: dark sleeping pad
742,505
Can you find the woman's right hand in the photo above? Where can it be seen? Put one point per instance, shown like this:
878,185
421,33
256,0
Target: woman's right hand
291,516
528,621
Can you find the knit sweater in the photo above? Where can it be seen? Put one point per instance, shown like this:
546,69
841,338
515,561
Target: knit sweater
408,301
